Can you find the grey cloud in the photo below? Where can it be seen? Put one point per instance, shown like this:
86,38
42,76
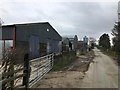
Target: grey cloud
88,18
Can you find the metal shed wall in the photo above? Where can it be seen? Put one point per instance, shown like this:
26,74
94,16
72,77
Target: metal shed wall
24,31
7,32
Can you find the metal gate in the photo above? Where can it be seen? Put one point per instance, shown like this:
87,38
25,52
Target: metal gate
39,67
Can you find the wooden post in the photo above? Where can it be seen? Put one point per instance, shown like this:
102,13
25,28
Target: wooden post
26,71
12,75
12,62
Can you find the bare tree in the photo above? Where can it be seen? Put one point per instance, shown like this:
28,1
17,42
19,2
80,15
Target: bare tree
8,62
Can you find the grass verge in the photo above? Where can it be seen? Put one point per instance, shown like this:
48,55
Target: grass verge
111,54
63,60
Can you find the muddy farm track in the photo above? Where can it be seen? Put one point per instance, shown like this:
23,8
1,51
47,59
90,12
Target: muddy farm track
87,71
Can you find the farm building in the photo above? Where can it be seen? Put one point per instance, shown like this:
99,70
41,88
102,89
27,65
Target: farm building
92,42
65,44
80,45
37,39
73,40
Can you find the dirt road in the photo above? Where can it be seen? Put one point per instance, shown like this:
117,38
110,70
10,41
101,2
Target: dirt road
102,73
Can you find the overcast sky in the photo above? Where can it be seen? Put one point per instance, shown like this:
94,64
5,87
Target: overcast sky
69,17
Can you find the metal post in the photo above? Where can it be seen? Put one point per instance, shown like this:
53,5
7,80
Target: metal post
37,68
52,59
50,63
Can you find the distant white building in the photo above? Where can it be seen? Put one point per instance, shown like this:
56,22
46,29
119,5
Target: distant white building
91,40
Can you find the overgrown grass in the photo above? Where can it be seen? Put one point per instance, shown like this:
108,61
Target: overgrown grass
64,60
110,53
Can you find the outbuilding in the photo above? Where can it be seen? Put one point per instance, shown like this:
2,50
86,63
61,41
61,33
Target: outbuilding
74,40
71,40
36,39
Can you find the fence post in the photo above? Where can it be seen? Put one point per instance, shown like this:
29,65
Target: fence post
52,59
12,75
26,71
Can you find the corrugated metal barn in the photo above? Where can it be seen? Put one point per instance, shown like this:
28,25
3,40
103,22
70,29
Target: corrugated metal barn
37,39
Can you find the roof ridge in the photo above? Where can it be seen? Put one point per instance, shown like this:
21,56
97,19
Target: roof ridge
25,23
